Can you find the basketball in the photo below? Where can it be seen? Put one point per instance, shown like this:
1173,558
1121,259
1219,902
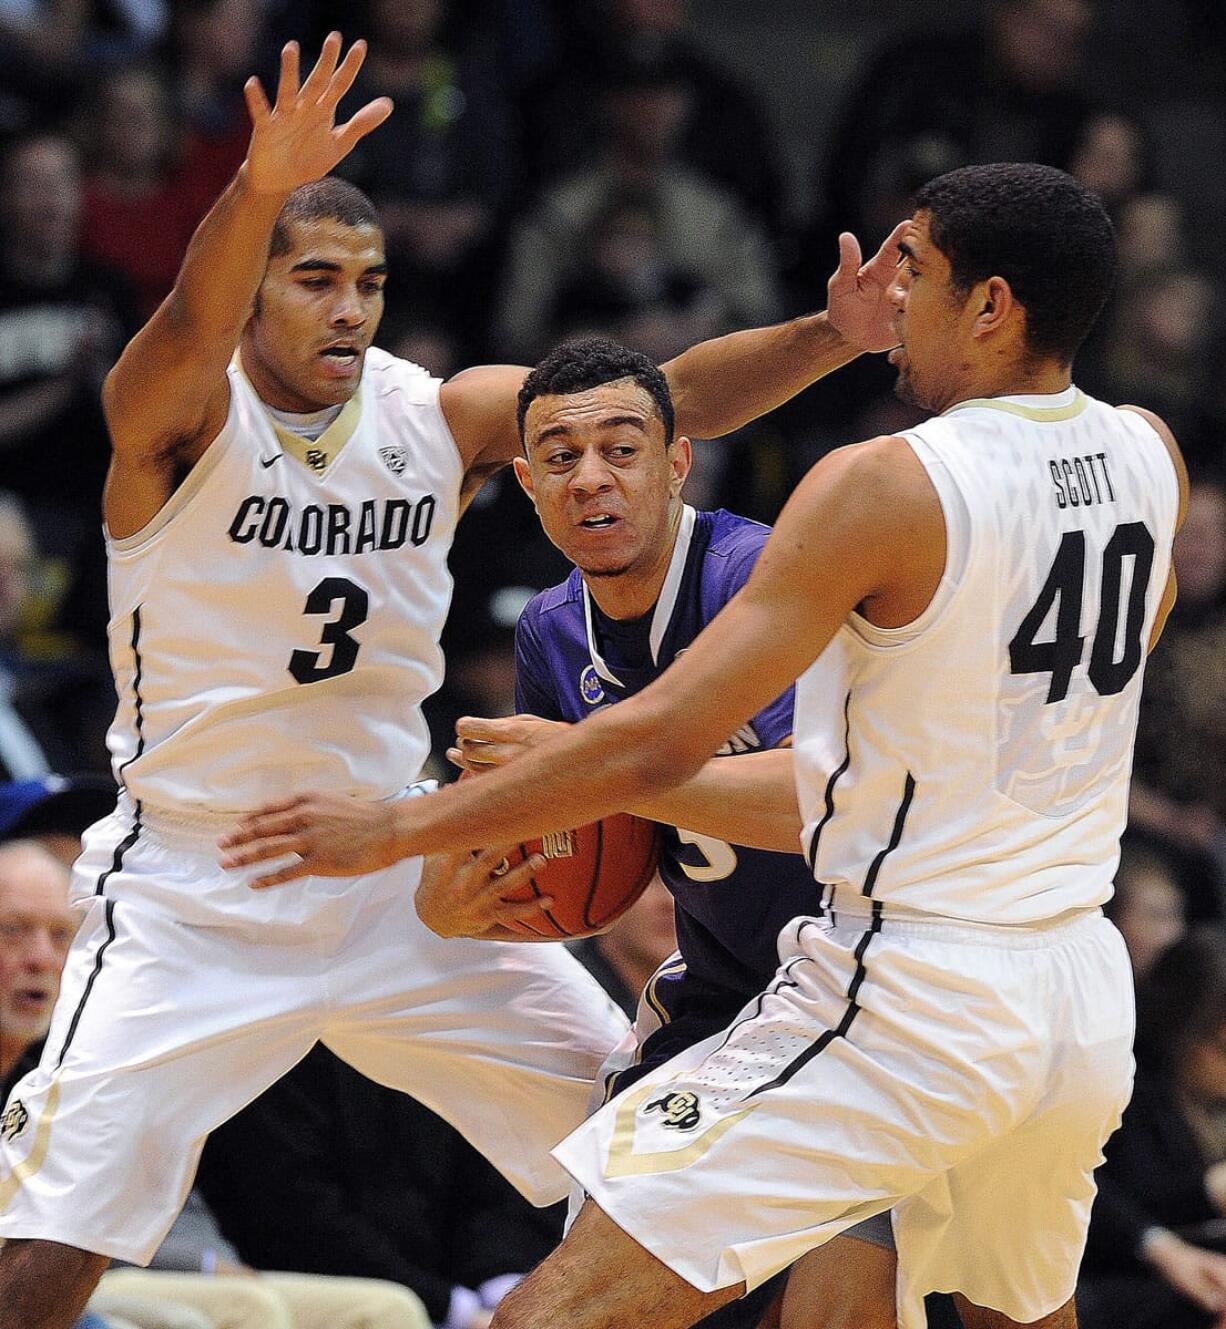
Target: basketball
594,874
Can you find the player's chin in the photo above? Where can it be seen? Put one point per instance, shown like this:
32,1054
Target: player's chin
611,566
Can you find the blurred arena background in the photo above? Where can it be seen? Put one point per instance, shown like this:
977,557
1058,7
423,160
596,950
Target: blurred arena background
655,169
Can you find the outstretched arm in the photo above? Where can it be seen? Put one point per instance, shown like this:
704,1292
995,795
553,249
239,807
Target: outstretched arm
167,397
722,384
864,528
718,385
748,799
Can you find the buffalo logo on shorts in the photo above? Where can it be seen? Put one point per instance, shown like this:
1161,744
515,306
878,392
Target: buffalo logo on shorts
14,1120
395,459
680,1110
589,686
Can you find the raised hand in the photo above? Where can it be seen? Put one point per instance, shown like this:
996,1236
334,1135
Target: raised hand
297,140
858,294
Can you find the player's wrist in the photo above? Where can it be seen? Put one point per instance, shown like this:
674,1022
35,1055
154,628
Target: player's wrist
248,184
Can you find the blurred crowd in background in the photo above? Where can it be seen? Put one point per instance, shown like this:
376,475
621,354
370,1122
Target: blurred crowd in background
642,168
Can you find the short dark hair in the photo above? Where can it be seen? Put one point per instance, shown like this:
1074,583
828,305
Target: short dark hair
329,199
576,366
1049,237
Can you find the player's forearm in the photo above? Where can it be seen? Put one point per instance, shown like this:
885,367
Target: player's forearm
612,759
722,384
748,800
225,262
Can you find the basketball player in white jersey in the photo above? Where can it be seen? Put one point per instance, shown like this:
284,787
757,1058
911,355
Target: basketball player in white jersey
279,510
968,606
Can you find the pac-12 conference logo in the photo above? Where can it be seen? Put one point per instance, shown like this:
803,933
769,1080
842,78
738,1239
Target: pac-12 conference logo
590,688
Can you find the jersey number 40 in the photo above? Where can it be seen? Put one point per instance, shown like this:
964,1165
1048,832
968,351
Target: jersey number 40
1112,663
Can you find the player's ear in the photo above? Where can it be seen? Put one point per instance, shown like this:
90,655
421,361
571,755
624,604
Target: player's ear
523,473
995,305
680,458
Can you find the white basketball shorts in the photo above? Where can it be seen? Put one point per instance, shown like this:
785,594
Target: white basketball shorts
965,1077
186,994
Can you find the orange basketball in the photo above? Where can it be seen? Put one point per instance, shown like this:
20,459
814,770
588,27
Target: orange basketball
594,874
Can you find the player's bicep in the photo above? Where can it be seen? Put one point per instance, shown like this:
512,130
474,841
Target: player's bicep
479,406
848,534
167,392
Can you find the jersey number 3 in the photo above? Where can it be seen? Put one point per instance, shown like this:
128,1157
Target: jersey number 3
355,606
1064,588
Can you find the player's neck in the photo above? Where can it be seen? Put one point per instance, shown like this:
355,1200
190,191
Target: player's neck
1014,380
635,592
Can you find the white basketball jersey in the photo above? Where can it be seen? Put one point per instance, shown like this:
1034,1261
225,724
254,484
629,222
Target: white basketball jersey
975,764
274,629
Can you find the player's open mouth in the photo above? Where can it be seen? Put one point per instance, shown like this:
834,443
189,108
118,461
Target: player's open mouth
598,523
341,358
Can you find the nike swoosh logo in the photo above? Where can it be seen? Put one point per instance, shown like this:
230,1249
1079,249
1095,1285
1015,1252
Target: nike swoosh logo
266,462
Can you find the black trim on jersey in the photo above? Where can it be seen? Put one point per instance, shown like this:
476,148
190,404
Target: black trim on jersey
861,972
89,985
835,777
134,834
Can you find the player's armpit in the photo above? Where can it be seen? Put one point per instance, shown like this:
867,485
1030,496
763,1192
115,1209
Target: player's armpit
747,800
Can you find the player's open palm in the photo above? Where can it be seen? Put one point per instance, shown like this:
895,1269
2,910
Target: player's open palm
297,140
858,301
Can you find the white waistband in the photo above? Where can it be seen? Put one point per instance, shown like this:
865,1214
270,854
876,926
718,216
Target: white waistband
843,907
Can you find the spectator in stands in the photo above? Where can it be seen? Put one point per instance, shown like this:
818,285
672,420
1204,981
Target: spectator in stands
1166,1166
1148,905
63,321
1157,342
624,959
1179,784
330,1173
726,137
1006,88
36,927
143,196
213,46
624,286
438,170
54,707
702,235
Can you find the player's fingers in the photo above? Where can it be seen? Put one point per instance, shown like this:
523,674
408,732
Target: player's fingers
849,260
885,260
291,872
342,80
508,881
480,729
371,116
470,765
522,911
287,83
319,77
261,850
271,819
489,754
257,103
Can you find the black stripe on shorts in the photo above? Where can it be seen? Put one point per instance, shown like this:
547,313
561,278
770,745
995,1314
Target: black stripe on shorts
857,979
